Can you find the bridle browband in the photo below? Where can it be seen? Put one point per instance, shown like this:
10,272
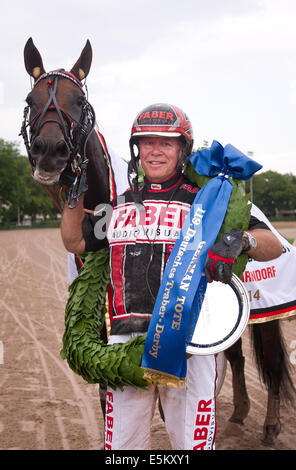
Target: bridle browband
74,132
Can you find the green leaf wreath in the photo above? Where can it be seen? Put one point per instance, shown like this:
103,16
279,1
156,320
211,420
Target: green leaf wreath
119,364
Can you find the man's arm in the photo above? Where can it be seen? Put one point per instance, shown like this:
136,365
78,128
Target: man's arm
71,227
268,245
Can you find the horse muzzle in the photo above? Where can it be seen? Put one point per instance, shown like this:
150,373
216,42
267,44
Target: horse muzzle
45,178
49,158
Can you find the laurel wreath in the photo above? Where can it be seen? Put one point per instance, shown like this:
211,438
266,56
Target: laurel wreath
119,364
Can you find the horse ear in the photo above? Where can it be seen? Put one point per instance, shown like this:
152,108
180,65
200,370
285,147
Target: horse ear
33,60
82,66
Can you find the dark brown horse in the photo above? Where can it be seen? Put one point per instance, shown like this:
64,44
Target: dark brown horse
62,144
64,148
274,370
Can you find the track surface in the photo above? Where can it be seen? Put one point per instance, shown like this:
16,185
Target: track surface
43,404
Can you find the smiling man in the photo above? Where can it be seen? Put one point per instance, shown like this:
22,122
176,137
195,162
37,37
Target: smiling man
142,227
159,157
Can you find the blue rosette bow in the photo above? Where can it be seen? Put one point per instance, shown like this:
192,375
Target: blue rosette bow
227,160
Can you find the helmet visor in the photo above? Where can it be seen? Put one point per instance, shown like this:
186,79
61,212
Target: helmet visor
157,134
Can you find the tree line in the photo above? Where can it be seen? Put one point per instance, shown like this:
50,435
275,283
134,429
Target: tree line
274,193
20,196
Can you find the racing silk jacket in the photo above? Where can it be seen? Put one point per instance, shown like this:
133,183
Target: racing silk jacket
141,238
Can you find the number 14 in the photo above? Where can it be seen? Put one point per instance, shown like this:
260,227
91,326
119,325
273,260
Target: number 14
256,295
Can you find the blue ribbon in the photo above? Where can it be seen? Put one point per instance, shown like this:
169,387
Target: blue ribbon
182,289
228,160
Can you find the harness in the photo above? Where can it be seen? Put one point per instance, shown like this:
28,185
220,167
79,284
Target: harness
74,132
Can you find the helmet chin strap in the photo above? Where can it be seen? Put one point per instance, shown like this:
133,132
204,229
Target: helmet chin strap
133,175
183,161
181,165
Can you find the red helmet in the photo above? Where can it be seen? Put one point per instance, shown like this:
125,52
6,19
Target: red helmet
159,119
163,120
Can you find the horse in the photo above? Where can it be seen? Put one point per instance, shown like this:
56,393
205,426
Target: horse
277,297
273,368
65,150
62,145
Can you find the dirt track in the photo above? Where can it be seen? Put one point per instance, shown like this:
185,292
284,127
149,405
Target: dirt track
43,404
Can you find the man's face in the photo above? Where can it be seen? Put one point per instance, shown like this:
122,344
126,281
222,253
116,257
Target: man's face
159,157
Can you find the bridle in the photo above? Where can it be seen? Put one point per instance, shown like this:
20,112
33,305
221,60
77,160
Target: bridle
75,132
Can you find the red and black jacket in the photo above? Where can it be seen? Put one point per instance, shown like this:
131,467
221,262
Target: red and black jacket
140,239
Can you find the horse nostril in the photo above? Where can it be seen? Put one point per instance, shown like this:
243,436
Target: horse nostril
38,146
62,149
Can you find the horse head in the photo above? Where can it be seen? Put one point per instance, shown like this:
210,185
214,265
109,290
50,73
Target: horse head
58,116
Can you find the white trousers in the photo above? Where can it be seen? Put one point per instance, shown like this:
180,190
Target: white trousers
190,413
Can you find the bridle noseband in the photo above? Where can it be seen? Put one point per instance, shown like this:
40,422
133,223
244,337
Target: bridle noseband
74,132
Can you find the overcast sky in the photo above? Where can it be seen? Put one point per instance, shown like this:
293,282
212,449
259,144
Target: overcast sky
229,64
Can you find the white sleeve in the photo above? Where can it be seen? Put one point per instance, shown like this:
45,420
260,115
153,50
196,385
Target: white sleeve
72,269
120,171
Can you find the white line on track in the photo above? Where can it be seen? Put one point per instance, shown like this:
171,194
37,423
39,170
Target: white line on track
1,352
86,409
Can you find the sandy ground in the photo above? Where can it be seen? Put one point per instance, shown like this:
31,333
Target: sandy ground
43,404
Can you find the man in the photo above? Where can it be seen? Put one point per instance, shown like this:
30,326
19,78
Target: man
141,231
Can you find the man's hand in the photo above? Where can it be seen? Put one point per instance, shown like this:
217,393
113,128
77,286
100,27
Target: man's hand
221,256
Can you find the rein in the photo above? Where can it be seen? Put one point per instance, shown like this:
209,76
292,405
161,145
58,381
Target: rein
74,131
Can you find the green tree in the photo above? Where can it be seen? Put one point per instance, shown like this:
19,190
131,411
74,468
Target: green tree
37,201
274,191
10,180
19,193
